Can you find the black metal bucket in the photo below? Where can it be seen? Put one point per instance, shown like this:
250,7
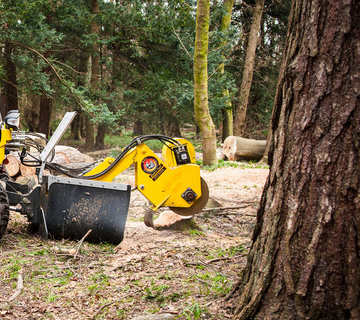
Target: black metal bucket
74,206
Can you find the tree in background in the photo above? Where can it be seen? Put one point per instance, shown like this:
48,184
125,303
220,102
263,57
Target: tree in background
228,123
201,107
145,51
95,70
304,260
241,108
9,95
268,59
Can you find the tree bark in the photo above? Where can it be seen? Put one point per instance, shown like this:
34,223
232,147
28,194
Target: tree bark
304,260
44,115
241,109
138,128
100,137
228,122
201,105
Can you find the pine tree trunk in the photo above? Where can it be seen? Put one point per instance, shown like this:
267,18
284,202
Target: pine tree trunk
201,106
241,109
304,260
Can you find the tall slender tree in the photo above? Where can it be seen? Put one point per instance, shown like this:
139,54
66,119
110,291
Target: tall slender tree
241,108
228,123
201,105
95,70
304,260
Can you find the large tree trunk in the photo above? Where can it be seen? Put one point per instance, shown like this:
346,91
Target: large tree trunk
304,260
241,109
201,106
228,122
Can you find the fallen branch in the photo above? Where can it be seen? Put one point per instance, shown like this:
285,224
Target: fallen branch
218,259
87,314
19,287
113,302
236,214
80,243
227,208
254,200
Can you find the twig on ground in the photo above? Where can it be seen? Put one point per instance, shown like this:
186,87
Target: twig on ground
19,287
80,243
217,259
236,214
113,302
79,309
253,200
226,208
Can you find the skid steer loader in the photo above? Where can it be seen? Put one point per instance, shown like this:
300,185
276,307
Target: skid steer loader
74,201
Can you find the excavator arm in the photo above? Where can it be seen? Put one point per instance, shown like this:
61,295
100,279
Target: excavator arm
180,187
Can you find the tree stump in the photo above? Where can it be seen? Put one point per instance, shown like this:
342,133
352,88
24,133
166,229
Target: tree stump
237,148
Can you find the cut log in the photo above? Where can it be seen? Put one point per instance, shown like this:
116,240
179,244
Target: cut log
72,154
61,158
237,148
27,171
13,165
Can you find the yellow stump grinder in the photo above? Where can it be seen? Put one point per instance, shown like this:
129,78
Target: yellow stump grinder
71,203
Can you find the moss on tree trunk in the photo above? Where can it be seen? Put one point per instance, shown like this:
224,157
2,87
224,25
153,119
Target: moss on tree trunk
201,105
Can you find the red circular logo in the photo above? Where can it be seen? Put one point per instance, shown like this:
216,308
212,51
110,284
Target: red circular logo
149,164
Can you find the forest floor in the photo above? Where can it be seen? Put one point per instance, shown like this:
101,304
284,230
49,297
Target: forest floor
185,273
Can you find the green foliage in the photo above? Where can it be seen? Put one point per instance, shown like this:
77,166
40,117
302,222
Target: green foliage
231,164
146,59
192,311
221,164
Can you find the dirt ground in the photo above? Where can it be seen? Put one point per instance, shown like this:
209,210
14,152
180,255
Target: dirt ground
185,273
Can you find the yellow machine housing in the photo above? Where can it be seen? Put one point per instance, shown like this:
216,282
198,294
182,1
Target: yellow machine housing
161,182
6,137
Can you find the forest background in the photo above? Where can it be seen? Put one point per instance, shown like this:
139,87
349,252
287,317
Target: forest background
129,65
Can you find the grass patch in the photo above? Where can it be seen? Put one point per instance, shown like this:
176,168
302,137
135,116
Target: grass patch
231,164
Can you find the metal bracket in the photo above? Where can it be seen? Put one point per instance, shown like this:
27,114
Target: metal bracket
59,132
